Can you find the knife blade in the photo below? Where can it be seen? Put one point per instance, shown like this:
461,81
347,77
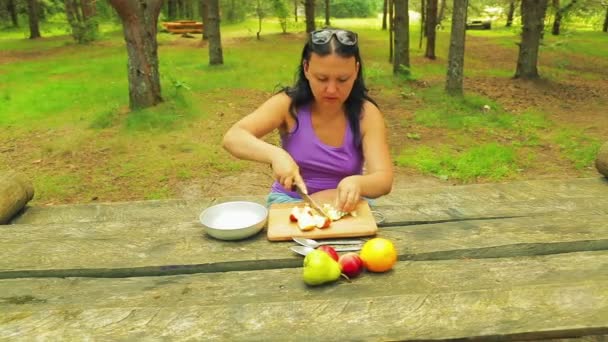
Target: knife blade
314,205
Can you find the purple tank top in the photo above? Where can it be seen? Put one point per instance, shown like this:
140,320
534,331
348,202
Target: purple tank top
322,166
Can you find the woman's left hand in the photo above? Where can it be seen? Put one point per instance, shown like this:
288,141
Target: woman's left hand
349,194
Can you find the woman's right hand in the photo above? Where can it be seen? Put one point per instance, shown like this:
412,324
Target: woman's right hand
286,172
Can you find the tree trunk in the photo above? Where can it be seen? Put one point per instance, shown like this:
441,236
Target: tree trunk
204,16
139,19
32,12
15,191
295,10
533,16
309,10
81,17
453,85
327,11
401,62
422,21
441,13
88,8
181,9
216,56
172,9
11,8
384,14
431,27
391,29
188,9
556,23
559,14
605,28
510,13
259,13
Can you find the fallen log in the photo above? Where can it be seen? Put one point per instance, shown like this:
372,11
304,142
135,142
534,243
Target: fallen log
601,163
15,191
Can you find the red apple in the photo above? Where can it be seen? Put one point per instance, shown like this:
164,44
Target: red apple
329,250
351,263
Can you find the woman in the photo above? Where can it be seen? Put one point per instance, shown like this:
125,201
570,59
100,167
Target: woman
329,128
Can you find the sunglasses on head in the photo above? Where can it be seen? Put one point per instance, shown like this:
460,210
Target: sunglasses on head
345,37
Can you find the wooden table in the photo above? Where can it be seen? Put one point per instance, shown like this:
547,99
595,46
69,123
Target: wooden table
522,260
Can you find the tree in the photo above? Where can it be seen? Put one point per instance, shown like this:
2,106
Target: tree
453,84
295,10
605,27
33,9
327,13
510,13
11,8
260,14
401,61
281,12
384,12
309,10
422,21
533,17
559,13
172,9
441,14
391,29
81,16
430,28
139,21
216,56
204,13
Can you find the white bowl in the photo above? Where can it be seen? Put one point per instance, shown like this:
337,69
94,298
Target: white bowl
234,220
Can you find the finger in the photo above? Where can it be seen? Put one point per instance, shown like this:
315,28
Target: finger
351,203
341,199
299,182
284,181
288,183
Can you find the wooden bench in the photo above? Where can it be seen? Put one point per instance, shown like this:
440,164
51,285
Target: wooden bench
513,261
183,26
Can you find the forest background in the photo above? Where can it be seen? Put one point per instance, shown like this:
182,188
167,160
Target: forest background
65,119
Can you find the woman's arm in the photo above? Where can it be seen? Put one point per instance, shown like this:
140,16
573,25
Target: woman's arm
244,139
378,178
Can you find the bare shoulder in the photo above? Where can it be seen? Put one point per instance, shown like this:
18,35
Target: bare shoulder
280,102
371,116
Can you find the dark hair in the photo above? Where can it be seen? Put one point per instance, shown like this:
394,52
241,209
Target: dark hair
301,94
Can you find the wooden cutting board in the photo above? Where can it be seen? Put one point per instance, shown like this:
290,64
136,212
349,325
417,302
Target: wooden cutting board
281,229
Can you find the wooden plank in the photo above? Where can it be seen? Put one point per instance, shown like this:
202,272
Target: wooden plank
403,214
185,30
402,205
280,228
135,211
501,192
115,249
512,298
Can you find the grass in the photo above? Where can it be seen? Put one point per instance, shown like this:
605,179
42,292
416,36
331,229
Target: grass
65,107
488,161
578,147
460,112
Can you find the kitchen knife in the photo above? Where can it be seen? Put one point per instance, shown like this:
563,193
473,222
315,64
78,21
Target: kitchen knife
314,205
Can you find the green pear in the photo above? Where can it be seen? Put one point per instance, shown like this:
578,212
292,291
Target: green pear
320,268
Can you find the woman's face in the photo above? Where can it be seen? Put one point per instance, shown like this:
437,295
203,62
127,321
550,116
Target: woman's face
331,78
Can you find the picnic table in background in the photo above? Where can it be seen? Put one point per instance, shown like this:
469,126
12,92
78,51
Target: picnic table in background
183,26
520,260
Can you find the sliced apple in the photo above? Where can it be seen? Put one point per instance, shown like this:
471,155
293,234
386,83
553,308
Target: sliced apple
306,222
